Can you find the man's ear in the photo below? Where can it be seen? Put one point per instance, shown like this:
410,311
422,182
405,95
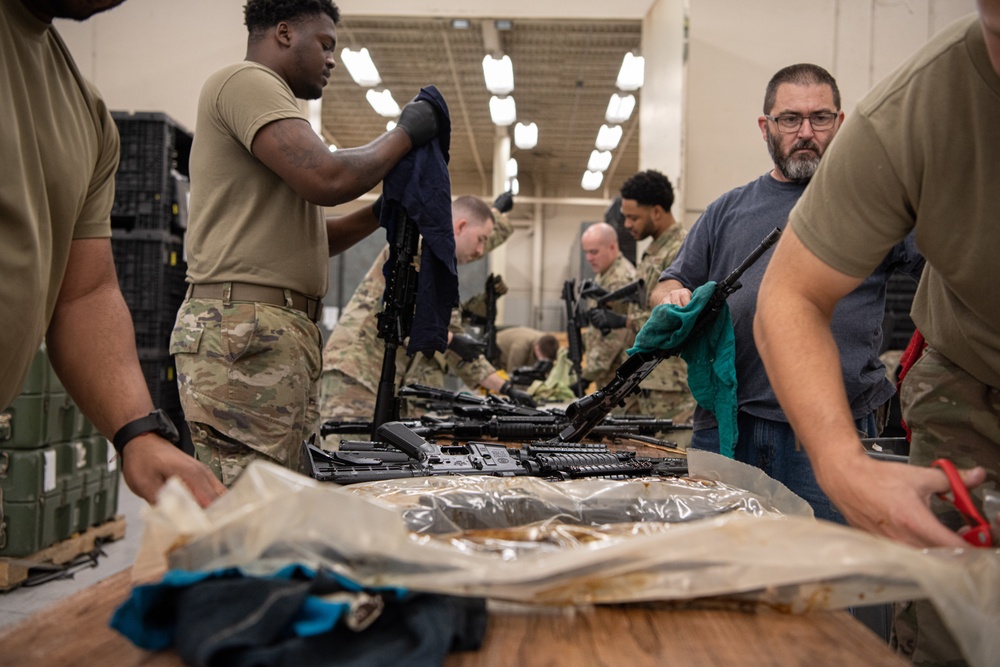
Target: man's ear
283,33
460,225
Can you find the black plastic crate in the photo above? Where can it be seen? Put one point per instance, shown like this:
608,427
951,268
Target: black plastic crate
155,153
151,271
161,378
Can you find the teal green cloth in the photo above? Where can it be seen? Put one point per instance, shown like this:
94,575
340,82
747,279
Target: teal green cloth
711,357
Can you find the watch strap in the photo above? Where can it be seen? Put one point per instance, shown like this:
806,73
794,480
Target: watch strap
155,422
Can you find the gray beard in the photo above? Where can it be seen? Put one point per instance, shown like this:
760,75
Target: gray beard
795,169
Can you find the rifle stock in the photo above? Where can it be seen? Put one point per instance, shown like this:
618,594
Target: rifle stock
492,353
574,336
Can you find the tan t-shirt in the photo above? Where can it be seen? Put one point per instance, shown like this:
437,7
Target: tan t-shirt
246,223
922,152
59,146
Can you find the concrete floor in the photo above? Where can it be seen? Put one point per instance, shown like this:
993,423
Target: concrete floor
17,604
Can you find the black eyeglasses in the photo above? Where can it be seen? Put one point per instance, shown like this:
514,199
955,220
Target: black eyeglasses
791,122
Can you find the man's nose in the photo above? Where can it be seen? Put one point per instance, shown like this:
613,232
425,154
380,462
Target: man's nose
806,129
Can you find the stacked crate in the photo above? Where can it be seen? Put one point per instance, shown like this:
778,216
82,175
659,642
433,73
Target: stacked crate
57,474
148,221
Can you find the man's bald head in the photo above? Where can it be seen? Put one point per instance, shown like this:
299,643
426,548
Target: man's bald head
600,246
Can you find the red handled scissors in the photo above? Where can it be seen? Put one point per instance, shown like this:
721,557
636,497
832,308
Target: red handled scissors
978,534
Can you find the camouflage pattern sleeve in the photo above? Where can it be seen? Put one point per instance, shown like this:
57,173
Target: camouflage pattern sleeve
502,230
605,353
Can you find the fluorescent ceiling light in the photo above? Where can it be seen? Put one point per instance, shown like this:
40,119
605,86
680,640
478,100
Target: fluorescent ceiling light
591,180
502,110
619,108
390,126
608,138
383,103
599,160
460,24
361,68
333,149
511,168
499,75
630,76
513,186
503,24
525,136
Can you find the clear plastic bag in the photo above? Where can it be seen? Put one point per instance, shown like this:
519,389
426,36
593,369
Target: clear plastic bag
728,531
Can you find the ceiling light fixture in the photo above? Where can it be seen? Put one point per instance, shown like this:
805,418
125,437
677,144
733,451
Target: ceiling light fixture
608,138
630,76
361,68
460,24
511,168
499,75
591,180
513,186
599,160
525,136
503,24
619,108
315,110
390,126
503,111
383,103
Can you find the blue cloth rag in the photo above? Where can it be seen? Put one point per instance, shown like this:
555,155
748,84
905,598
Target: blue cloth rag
420,185
296,617
711,357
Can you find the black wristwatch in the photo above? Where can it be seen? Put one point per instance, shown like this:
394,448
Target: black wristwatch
156,421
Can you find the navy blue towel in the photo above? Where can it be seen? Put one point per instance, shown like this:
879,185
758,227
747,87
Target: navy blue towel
420,185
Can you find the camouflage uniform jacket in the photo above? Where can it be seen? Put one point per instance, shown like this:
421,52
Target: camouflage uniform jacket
354,347
670,374
606,353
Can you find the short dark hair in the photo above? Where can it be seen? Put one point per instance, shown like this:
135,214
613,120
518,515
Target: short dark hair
802,74
474,208
263,14
649,188
548,347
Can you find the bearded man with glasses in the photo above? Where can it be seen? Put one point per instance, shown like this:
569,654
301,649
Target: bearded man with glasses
801,115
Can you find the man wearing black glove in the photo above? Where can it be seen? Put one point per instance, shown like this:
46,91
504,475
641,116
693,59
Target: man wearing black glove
258,242
504,202
605,320
419,121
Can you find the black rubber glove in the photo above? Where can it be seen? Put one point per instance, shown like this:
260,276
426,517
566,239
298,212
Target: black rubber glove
606,320
504,202
419,120
499,286
517,395
467,347
579,387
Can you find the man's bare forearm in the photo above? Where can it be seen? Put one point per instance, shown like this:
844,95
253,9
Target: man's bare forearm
344,232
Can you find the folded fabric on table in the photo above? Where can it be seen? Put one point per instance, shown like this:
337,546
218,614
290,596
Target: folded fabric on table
296,616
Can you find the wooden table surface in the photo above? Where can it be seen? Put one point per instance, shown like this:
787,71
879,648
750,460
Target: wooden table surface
75,632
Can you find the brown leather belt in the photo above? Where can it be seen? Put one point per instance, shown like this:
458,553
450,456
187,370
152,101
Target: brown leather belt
275,296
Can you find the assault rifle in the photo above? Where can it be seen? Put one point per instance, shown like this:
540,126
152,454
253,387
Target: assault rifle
476,417
574,320
401,453
396,318
492,352
585,413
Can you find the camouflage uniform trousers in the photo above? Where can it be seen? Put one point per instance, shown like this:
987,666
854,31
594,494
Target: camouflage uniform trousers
953,416
248,375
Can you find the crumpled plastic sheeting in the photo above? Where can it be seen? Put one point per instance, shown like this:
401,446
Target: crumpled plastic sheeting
747,538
